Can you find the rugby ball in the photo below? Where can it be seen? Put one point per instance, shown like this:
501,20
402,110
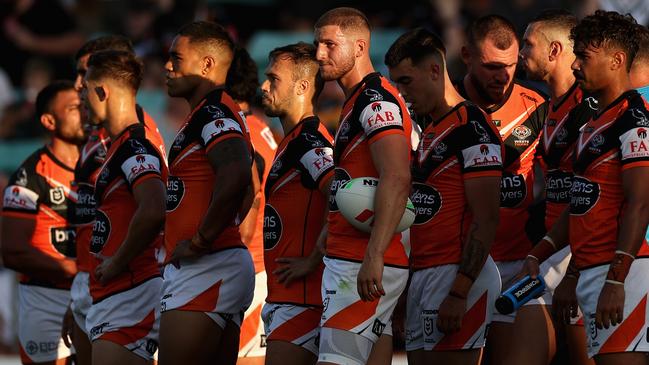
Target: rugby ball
355,201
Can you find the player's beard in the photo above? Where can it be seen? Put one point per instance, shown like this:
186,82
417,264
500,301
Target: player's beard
277,109
336,73
537,74
484,93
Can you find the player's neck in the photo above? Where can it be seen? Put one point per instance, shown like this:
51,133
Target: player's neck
559,84
450,100
67,153
474,95
614,89
201,91
349,81
295,116
119,115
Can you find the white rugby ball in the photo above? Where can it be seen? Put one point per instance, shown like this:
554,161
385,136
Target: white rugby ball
355,202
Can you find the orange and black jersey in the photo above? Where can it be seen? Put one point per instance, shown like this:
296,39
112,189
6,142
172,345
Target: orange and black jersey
92,156
374,110
40,190
265,146
131,159
611,142
191,182
519,120
461,145
295,206
556,148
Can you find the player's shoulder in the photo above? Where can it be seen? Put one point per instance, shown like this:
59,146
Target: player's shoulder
530,91
311,133
376,88
636,114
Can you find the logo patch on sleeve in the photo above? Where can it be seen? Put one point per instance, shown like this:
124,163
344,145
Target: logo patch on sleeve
634,143
317,161
19,197
217,127
379,115
138,165
482,155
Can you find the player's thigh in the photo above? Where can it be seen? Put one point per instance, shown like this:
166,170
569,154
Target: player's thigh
109,353
576,343
187,337
456,357
228,349
381,353
622,358
82,346
416,357
286,353
532,339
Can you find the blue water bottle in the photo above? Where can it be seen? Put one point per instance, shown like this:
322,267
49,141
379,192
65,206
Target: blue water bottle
519,294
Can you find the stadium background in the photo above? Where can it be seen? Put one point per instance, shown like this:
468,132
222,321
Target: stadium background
40,37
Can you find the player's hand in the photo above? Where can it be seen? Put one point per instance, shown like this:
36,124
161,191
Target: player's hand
184,250
67,329
108,270
451,312
564,300
610,306
294,268
530,267
370,277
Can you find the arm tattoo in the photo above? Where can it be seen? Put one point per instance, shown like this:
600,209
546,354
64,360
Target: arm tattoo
474,254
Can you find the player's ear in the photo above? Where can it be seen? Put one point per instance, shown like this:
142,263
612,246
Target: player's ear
361,47
618,60
102,93
302,87
555,50
208,63
48,121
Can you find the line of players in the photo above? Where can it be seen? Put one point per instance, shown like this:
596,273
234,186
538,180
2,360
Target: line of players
332,289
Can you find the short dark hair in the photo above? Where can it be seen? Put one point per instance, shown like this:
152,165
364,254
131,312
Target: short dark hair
495,27
643,45
306,65
608,28
116,65
242,85
416,44
48,94
115,42
556,17
207,33
345,18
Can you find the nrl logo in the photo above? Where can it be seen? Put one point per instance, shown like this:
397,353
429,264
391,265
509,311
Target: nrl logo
57,195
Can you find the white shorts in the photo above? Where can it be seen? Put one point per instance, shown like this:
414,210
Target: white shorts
220,284
343,307
81,299
631,334
295,324
130,318
508,271
428,289
40,319
252,339
553,270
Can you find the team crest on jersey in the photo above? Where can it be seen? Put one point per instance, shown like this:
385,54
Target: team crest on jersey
479,129
562,135
552,122
522,133
595,143
57,195
276,167
313,140
103,177
440,148
374,95
178,141
343,131
21,177
215,111
138,148
642,120
100,155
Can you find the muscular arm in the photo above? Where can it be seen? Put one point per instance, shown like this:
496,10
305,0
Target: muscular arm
636,215
249,224
20,256
231,163
560,230
483,198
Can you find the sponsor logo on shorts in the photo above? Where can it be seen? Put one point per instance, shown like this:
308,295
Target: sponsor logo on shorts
378,327
325,305
272,227
33,347
151,346
341,177
584,195
427,202
513,190
98,330
175,192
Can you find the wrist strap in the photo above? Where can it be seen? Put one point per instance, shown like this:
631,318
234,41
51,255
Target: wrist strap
620,266
543,250
614,282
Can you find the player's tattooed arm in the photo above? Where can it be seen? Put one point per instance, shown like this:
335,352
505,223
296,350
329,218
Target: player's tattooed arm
474,254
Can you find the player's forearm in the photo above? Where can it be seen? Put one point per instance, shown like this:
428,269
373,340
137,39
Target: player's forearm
559,233
228,195
248,226
38,265
145,227
478,244
389,205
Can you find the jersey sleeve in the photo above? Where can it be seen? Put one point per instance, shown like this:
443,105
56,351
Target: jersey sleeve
316,162
481,149
141,161
381,118
21,196
219,125
634,140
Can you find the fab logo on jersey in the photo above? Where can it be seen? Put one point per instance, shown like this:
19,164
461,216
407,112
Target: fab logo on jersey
427,202
583,195
379,115
272,227
635,143
140,164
